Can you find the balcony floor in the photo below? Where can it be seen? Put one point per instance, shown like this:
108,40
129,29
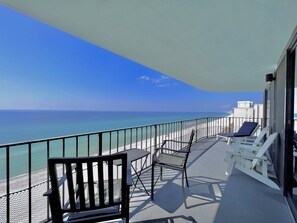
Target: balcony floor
212,196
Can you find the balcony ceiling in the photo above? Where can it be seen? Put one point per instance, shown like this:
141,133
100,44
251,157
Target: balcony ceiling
213,45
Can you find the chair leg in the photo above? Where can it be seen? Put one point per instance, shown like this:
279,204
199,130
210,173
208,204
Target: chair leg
161,171
186,178
183,185
128,204
152,182
230,167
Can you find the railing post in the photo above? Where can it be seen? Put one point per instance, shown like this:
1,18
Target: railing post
110,139
88,145
131,138
136,136
30,182
47,173
206,127
181,131
125,135
155,140
76,146
100,143
196,130
63,154
7,185
118,141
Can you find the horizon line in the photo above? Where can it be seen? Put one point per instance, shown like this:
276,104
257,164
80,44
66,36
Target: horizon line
73,110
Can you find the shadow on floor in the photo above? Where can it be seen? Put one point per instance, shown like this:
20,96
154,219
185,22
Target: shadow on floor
180,218
204,190
163,197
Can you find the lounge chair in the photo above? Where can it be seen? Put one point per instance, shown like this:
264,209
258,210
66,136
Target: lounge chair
93,191
174,158
247,129
248,145
254,165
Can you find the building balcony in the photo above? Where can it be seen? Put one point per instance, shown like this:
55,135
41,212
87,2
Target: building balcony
211,197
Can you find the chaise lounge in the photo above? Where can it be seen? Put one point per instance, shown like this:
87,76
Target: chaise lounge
247,129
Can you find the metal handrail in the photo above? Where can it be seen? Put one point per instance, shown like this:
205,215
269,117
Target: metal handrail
103,131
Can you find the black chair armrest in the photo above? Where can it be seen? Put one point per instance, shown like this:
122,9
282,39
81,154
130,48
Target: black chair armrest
175,151
48,193
171,150
176,141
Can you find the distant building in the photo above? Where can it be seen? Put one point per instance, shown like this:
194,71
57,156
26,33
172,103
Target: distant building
247,109
258,110
245,104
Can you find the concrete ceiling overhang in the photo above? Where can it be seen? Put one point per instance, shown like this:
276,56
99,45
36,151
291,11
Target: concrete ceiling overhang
213,45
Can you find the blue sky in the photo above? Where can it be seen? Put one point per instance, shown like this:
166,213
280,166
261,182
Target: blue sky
44,68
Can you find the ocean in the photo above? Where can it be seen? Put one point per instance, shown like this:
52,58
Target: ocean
28,125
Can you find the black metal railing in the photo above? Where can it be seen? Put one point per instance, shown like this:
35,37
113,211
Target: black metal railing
23,170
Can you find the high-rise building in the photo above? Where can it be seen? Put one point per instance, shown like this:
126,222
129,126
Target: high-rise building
247,109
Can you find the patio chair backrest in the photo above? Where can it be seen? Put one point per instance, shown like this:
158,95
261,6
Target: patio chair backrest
189,146
91,188
261,135
264,148
191,139
246,129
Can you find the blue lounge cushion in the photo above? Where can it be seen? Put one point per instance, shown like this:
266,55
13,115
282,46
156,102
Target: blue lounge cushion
246,129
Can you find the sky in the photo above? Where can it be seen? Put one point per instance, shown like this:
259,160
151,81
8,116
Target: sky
42,67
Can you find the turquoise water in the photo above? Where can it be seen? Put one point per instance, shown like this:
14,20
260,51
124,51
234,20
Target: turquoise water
19,126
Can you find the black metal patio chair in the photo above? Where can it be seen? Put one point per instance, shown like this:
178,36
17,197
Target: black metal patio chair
91,191
174,156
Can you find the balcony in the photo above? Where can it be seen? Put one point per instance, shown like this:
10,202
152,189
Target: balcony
240,55
211,197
